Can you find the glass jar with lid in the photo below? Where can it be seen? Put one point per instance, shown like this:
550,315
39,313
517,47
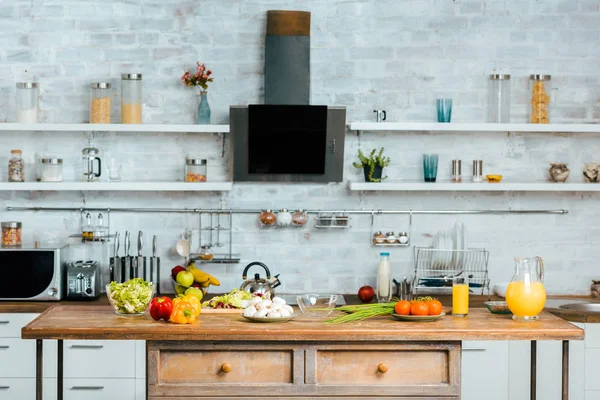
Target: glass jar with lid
51,169
100,103
379,238
299,218
27,102
499,98
284,217
131,98
267,218
195,170
16,167
206,253
540,99
11,234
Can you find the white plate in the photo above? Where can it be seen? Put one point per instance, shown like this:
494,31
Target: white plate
265,319
435,255
463,232
447,250
459,246
441,258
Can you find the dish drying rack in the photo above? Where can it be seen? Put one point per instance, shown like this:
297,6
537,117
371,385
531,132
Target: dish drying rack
435,269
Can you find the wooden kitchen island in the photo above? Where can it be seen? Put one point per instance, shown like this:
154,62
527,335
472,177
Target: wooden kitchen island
224,356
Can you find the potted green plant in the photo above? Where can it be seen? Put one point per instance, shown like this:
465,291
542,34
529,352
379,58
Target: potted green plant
372,165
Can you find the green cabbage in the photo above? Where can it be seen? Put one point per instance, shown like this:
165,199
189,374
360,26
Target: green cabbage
131,297
236,299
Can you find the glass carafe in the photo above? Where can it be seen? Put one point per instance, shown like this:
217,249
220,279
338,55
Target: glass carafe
526,295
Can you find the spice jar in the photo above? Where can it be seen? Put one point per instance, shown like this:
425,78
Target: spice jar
87,232
206,253
11,234
379,238
284,217
390,238
51,169
195,170
267,218
27,102
131,98
100,103
499,98
403,237
299,218
16,166
456,171
540,99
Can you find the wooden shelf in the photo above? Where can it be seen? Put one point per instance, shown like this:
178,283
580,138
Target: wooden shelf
158,128
117,186
475,187
472,127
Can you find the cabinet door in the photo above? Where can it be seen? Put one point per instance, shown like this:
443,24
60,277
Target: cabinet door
11,324
485,370
99,389
18,358
24,389
99,358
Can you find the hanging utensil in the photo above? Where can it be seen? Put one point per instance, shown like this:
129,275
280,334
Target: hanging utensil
115,262
183,248
140,260
126,261
155,267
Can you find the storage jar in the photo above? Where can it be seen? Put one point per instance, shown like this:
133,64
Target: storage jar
206,253
16,167
390,238
403,237
195,170
11,234
379,238
27,102
100,103
540,99
131,98
267,218
499,98
299,218
284,217
51,169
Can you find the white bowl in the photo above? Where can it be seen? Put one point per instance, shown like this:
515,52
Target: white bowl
500,289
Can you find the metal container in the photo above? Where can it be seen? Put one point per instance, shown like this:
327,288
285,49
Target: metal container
11,234
100,96
477,170
27,102
131,98
540,99
51,169
195,170
499,98
456,171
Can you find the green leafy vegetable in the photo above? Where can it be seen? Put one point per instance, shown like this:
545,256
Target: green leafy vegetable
131,297
236,299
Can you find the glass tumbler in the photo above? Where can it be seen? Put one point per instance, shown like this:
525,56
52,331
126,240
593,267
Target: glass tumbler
499,98
430,167
460,296
444,109
27,102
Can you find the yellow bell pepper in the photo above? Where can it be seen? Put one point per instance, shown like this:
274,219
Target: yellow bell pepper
192,300
183,313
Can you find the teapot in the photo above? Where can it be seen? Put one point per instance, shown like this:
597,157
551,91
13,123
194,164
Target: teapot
263,287
526,295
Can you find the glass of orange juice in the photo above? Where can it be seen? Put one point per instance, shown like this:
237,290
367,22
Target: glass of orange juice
460,296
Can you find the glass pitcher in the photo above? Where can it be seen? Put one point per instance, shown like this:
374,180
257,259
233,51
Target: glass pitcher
525,295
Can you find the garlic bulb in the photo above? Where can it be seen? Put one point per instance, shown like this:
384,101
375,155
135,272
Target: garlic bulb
261,313
276,306
274,314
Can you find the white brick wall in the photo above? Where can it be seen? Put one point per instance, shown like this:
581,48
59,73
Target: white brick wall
397,55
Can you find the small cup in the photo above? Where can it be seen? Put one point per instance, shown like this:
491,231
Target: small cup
430,167
444,109
114,170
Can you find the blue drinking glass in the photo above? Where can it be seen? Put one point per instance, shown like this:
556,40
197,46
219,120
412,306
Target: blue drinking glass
444,109
430,167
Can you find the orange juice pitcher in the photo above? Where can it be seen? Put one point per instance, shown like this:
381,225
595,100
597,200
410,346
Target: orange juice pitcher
525,295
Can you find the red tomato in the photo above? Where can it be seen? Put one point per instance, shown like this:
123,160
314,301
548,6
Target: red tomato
419,308
435,307
402,307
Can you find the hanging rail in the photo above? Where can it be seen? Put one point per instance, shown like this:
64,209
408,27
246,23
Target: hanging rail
252,211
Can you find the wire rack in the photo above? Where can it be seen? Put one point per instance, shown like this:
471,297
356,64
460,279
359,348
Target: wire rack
435,268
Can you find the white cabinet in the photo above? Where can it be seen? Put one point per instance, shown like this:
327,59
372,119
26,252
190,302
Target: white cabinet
99,359
485,370
24,389
99,389
11,324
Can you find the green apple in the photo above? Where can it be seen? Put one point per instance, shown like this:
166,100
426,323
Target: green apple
180,289
195,292
185,278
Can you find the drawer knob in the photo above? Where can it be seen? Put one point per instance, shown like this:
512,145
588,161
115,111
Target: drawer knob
226,367
382,367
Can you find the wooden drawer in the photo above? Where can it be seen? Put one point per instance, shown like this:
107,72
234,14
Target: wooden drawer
11,324
99,358
198,369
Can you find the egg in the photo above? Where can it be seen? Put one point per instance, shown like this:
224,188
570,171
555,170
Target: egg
261,313
285,313
278,300
267,303
276,306
288,308
261,306
274,314
250,311
255,300
244,303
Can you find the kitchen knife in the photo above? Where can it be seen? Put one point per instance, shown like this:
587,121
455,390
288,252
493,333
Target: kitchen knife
140,262
115,262
126,261
153,264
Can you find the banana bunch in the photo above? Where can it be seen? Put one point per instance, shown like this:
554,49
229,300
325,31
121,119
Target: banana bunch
202,277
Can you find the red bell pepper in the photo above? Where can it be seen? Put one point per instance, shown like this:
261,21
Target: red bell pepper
161,308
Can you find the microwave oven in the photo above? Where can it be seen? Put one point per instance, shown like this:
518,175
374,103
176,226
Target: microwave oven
287,143
33,273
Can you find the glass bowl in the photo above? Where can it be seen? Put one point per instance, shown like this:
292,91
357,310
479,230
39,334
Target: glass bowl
124,308
180,289
317,305
497,307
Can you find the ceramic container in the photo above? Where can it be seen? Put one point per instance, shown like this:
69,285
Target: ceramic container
558,172
590,172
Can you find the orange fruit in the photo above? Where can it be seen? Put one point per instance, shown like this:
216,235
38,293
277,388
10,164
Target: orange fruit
435,307
419,308
402,307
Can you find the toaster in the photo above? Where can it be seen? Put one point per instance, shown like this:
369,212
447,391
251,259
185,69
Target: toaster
83,280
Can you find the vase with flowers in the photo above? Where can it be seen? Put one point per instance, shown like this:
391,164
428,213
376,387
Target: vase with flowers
200,78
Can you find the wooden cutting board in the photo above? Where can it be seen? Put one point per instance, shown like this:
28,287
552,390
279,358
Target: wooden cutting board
222,311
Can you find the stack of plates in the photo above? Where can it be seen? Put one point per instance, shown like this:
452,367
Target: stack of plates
449,248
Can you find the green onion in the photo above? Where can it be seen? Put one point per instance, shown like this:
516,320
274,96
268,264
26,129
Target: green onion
363,311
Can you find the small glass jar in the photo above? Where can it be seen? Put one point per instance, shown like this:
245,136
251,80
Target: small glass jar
87,232
540,99
284,217
16,167
403,238
51,169
28,97
206,253
379,238
195,170
456,171
11,234
390,238
499,98
131,98
267,218
100,103
299,218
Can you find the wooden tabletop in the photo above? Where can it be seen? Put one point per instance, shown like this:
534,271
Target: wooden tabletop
100,322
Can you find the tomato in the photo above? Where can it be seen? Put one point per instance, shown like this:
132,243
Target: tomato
419,308
435,307
402,307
